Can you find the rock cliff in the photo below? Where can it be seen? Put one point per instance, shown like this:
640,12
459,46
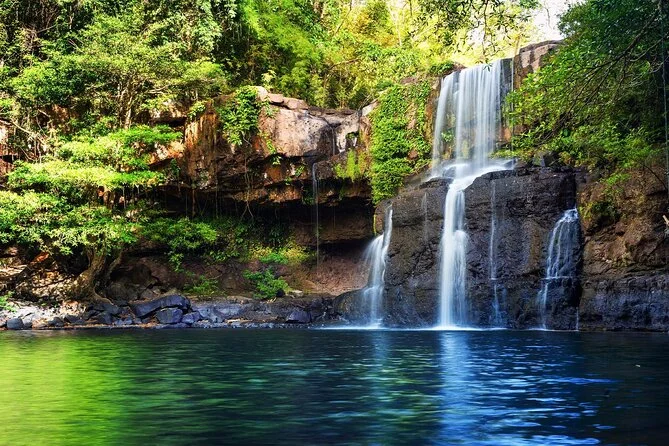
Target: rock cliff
526,204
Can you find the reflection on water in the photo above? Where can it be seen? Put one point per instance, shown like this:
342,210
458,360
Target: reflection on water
324,387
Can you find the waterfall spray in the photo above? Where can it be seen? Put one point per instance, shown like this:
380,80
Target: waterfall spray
376,256
560,259
469,109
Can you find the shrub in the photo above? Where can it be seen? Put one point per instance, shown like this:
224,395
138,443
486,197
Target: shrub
267,285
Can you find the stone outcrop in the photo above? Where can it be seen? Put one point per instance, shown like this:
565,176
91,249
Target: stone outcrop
621,276
143,309
175,311
530,58
626,268
288,310
528,203
274,172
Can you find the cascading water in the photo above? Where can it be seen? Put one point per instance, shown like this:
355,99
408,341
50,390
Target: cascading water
496,320
376,256
560,258
469,115
314,189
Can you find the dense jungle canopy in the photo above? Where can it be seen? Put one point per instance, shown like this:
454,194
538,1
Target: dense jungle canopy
79,80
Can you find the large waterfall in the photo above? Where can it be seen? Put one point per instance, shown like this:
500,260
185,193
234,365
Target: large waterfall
468,127
560,258
376,256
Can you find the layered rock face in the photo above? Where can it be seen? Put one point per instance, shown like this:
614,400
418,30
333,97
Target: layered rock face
530,58
620,279
295,144
527,204
626,268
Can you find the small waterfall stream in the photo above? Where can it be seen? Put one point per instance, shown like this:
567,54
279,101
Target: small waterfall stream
376,256
496,320
314,189
560,258
469,113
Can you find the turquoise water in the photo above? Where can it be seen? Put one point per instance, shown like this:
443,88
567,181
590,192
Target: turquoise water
137,387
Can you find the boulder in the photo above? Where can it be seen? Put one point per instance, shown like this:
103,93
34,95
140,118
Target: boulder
73,319
108,307
191,318
298,317
15,323
169,316
39,324
104,318
144,309
56,322
124,322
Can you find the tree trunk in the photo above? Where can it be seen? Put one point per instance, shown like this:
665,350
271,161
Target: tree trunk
98,271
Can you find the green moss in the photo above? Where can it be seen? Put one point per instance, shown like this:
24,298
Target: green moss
352,169
399,140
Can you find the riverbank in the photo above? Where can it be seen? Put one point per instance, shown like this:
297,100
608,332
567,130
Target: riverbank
171,311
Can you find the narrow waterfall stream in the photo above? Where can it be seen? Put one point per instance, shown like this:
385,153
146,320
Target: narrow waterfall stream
496,320
376,256
314,189
468,127
560,258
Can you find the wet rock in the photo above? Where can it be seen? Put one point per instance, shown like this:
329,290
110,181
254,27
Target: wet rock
15,323
172,326
89,314
107,307
221,311
56,322
143,309
104,318
73,319
298,317
169,316
124,322
191,318
351,307
631,304
3,323
526,206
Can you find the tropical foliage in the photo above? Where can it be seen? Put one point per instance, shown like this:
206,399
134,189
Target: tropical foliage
80,81
599,102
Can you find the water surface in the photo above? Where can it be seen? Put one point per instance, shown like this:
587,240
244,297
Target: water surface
137,387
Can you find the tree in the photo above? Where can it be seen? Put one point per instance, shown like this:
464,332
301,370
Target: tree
493,19
599,102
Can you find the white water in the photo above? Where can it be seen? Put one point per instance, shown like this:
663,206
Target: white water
376,256
469,110
314,189
560,262
496,320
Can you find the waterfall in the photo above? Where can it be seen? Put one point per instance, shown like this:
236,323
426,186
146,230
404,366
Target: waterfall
469,121
440,124
314,189
375,257
496,319
560,258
